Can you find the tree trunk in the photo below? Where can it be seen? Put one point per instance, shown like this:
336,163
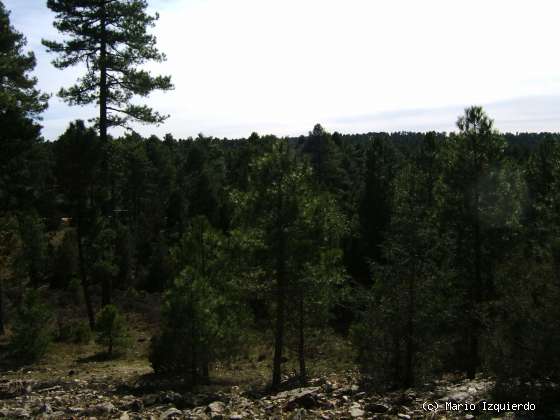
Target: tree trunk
476,294
206,371
280,313
106,284
301,344
83,276
194,362
556,262
2,329
408,378
103,78
110,351
396,358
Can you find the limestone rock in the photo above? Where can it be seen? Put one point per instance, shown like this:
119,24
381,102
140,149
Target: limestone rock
172,413
103,409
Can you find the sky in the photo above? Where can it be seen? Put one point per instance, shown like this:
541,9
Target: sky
281,66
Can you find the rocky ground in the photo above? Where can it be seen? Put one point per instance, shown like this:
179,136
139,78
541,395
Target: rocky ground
130,394
72,382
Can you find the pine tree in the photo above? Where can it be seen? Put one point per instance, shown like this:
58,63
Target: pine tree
32,328
203,317
77,153
396,331
293,232
375,206
17,88
112,330
483,204
111,38
20,105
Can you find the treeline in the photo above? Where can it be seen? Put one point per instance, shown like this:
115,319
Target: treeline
436,252
433,252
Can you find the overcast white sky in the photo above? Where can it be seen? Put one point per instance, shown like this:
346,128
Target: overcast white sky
280,66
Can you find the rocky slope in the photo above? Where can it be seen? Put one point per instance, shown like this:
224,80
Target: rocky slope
131,396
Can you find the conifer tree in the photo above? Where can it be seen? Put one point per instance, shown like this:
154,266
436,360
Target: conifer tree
483,207
111,38
18,90
202,313
20,104
293,233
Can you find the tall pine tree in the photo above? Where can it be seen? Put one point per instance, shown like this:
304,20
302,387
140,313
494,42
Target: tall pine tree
20,158
111,38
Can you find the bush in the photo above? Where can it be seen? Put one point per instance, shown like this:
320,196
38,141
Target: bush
75,332
200,327
32,328
112,330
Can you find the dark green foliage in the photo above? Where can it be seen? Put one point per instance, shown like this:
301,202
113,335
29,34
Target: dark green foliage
294,230
111,38
21,161
75,332
17,91
78,153
199,329
32,330
202,314
34,247
398,333
326,159
483,201
375,206
112,330
65,264
101,256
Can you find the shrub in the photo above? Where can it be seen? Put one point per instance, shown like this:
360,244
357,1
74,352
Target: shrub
112,330
200,326
75,332
32,328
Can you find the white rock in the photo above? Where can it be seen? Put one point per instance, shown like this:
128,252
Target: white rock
171,413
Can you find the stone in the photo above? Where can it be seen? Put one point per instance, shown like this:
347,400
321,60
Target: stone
103,409
328,387
170,397
216,410
377,408
216,407
302,397
149,399
124,416
356,412
172,413
458,396
20,413
299,414
75,410
136,405
295,392
44,409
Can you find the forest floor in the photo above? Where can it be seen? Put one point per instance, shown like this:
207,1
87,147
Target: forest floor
73,381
